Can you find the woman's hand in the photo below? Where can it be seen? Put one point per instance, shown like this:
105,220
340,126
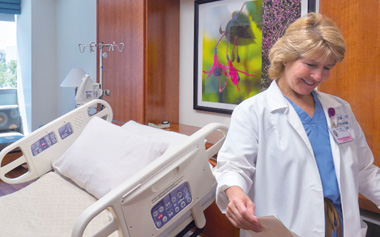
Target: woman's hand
240,210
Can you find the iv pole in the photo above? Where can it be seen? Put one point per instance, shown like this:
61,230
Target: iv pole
111,47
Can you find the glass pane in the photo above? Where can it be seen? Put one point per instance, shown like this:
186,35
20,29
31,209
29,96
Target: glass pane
8,54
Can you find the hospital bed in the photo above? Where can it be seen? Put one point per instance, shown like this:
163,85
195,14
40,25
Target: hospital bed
166,197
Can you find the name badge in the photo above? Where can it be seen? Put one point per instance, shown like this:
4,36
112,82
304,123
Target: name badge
338,131
340,134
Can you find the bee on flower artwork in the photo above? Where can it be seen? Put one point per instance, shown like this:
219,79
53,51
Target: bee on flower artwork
231,51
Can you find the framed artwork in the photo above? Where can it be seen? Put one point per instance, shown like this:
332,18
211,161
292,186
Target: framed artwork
232,39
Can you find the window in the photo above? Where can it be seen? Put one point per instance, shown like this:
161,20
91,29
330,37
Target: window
8,54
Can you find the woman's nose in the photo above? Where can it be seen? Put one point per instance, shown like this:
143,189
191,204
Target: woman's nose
317,74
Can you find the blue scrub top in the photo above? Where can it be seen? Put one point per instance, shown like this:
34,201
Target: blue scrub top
318,133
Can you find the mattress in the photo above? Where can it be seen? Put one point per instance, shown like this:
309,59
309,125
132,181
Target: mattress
47,207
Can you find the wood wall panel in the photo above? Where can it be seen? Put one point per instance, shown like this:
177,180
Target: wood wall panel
357,78
123,21
144,78
162,61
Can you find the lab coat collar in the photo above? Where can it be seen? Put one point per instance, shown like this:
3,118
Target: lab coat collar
277,100
278,103
327,101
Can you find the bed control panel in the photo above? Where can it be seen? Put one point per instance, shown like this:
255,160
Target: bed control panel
172,204
50,139
65,131
43,143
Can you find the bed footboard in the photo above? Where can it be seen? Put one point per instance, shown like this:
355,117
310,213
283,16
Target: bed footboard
172,189
46,144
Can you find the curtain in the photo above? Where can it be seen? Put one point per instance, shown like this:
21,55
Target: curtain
10,6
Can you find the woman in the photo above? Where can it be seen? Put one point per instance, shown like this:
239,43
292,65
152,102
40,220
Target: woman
281,156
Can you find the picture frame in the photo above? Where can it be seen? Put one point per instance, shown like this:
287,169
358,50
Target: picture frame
230,49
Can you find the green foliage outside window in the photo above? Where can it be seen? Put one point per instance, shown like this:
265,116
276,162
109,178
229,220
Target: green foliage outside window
8,74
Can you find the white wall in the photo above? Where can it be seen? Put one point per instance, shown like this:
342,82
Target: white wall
76,24
44,99
187,115
48,36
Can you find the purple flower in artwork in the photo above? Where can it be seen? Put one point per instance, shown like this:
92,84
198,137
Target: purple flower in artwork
237,33
233,74
217,68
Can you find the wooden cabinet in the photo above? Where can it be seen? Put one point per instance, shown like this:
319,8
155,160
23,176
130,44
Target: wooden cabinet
144,78
357,78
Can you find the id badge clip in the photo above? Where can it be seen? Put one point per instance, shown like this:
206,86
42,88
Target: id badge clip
340,133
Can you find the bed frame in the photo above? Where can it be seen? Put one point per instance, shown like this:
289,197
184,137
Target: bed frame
136,205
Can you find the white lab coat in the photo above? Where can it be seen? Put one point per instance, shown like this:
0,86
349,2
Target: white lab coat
268,154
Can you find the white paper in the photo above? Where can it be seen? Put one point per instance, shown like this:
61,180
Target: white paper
272,227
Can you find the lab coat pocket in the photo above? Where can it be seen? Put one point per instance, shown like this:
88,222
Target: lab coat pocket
349,156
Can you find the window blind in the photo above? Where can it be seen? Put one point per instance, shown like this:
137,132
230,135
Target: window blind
10,6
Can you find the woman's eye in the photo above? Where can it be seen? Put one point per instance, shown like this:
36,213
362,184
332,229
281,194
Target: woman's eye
310,64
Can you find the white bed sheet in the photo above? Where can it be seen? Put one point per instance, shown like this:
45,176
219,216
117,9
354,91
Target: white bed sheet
40,209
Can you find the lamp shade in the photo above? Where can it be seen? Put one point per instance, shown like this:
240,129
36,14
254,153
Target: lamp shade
73,78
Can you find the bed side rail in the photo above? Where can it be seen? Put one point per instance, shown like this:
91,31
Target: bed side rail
134,202
46,144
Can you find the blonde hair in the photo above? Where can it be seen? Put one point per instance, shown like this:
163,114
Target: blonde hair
312,35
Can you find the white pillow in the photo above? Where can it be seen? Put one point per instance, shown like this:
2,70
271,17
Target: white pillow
170,137
104,155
